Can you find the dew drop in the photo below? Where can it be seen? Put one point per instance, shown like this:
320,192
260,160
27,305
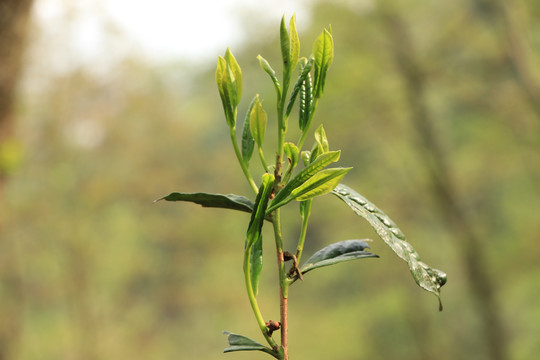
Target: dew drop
358,200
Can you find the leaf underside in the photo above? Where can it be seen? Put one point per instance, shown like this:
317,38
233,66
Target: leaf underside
346,250
243,343
230,201
427,278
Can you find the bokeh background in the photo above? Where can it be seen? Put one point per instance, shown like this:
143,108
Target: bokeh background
436,104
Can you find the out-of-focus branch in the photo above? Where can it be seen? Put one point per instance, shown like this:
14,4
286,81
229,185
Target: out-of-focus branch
443,186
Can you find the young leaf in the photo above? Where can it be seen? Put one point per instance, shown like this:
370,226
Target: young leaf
247,139
322,161
291,151
265,65
285,45
237,72
257,122
306,68
243,343
224,91
338,252
295,43
306,101
427,278
319,184
323,51
256,263
321,139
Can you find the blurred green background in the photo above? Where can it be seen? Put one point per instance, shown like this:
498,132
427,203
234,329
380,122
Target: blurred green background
435,104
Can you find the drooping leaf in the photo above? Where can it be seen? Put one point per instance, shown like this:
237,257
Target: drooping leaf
319,184
243,343
306,68
247,139
265,65
283,196
323,52
427,278
257,122
338,252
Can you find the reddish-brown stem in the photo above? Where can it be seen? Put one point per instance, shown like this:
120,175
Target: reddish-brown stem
283,311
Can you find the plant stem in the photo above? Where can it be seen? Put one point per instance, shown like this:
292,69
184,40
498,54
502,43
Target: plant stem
245,170
263,162
283,283
253,300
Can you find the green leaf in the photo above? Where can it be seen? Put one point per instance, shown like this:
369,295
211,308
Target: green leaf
323,52
257,122
321,143
224,93
427,278
295,43
292,152
237,72
243,343
338,252
319,184
306,102
247,139
253,246
322,161
285,43
265,65
306,68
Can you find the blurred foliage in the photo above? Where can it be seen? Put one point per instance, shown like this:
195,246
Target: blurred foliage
101,273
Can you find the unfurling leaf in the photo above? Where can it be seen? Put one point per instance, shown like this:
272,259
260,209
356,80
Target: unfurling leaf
229,83
237,72
265,65
323,52
283,196
292,152
319,184
247,139
243,343
257,122
427,278
321,143
338,252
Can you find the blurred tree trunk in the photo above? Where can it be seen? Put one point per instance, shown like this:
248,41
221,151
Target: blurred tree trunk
14,15
444,187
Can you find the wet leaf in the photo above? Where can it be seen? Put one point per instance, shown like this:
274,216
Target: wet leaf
243,343
427,278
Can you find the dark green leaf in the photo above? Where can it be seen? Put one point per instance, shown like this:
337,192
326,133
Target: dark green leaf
335,253
306,68
426,277
322,161
243,343
253,246
306,102
231,201
247,139
319,184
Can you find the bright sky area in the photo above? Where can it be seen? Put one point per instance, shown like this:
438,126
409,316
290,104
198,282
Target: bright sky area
156,30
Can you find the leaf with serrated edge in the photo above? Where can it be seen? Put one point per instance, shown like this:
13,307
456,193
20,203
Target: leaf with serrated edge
319,184
243,343
313,168
346,250
427,278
